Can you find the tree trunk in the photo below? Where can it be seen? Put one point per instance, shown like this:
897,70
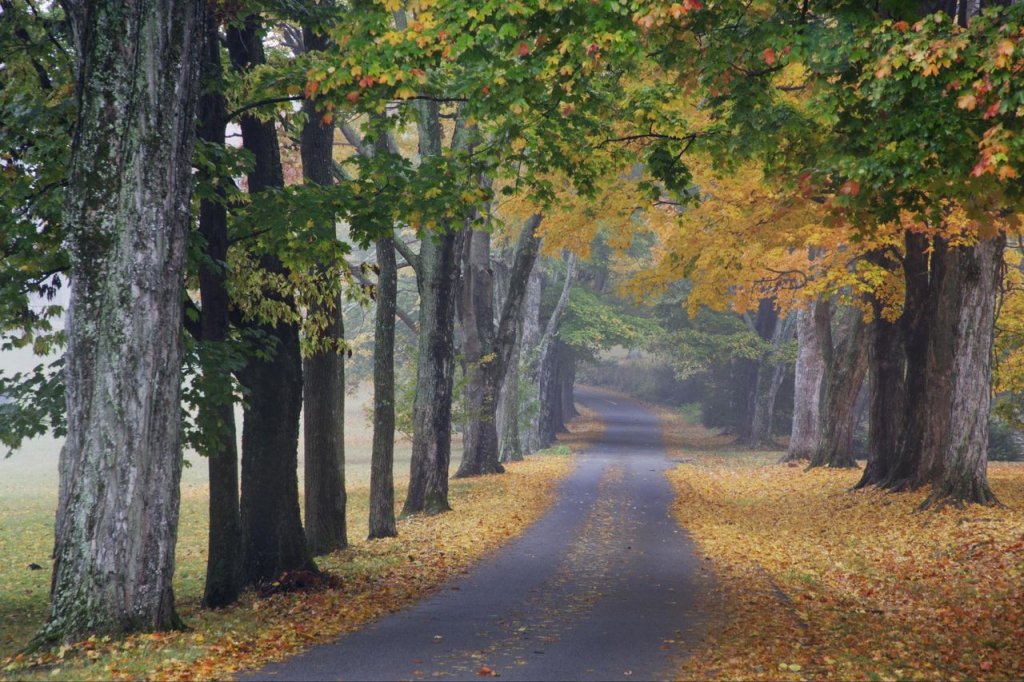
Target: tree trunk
324,369
272,535
843,381
568,382
437,279
487,350
770,375
963,476
529,362
805,437
549,399
382,486
510,447
888,398
126,215
224,578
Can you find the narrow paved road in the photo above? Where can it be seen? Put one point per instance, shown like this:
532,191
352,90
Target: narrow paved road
603,587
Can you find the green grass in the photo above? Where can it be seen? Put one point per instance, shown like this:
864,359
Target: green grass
28,500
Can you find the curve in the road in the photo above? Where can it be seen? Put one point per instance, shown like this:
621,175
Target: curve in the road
603,587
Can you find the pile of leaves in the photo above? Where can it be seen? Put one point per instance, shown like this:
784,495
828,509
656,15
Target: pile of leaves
815,581
367,580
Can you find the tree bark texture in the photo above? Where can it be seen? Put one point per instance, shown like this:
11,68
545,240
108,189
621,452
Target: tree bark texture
529,358
963,476
324,369
437,278
126,214
224,579
770,375
810,371
548,417
272,534
843,380
487,348
382,486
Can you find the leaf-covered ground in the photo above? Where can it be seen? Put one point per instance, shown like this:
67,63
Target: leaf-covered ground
375,578
818,582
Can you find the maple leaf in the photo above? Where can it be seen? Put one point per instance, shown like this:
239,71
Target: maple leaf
522,49
968,102
769,56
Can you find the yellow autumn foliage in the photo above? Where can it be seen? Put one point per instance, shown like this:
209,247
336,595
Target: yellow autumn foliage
816,581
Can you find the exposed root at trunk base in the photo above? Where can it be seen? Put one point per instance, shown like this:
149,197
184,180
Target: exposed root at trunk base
960,496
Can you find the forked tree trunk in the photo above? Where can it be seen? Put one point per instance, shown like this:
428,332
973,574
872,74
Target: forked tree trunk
805,437
843,381
126,215
487,349
224,580
272,535
382,487
510,447
324,369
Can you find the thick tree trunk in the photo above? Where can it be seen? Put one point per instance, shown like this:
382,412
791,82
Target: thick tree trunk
843,381
488,350
805,437
272,535
480,435
888,398
224,578
324,369
382,486
437,279
963,476
126,215
432,409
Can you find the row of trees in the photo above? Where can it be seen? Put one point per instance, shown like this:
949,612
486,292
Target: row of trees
459,122
380,118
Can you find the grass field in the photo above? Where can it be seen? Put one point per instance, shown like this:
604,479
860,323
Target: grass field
28,500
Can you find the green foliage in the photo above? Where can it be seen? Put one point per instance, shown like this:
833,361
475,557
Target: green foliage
592,324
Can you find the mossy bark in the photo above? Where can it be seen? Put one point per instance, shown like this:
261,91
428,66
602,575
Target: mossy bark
126,215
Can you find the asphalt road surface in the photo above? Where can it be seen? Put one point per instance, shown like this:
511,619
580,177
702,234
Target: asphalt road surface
601,588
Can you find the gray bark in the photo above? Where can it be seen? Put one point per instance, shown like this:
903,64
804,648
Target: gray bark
963,476
805,437
846,366
770,376
549,412
488,350
382,487
126,215
529,345
437,279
